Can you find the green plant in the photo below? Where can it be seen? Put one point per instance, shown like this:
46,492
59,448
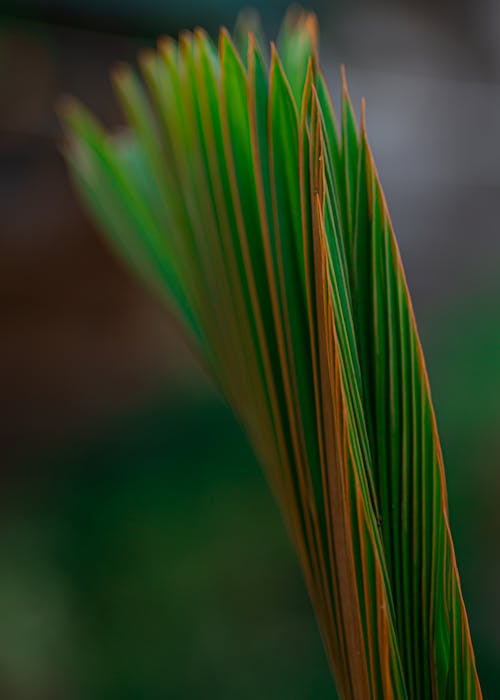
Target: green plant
236,195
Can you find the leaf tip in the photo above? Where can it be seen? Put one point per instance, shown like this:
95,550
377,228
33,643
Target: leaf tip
146,58
312,28
343,78
200,34
120,73
165,45
224,40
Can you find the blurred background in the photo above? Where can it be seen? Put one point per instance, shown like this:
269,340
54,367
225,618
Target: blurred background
141,555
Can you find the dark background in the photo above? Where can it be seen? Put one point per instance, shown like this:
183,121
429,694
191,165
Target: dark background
141,555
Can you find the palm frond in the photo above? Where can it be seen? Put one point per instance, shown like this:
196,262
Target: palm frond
237,195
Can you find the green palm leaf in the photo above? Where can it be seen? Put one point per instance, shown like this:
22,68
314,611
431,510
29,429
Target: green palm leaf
235,194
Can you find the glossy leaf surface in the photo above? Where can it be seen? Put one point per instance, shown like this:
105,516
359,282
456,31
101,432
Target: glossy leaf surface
238,196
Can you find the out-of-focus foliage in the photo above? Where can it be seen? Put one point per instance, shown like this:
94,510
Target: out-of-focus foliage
154,565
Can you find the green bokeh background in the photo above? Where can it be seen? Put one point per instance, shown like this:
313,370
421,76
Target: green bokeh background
157,566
